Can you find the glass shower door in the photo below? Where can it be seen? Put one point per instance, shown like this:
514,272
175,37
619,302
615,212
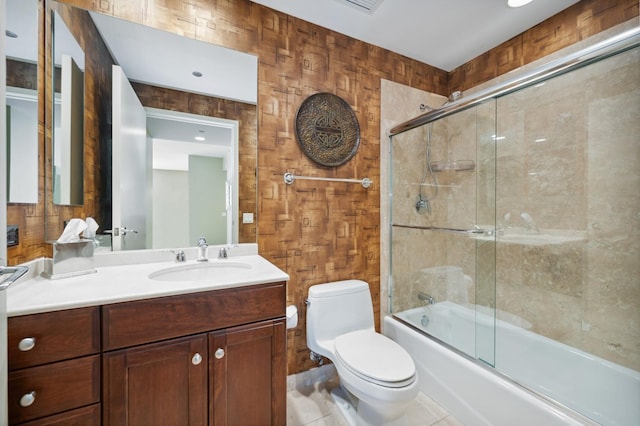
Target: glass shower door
442,232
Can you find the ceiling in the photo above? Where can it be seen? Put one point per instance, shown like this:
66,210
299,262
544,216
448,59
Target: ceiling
441,33
174,139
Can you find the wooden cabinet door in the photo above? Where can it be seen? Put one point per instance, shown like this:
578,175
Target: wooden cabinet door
248,375
157,384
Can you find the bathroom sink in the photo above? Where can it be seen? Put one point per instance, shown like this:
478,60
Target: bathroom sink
200,271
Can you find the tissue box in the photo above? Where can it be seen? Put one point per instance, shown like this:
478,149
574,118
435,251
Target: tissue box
70,259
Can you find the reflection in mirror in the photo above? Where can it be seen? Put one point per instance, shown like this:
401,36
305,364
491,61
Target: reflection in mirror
22,145
194,165
68,116
22,101
211,91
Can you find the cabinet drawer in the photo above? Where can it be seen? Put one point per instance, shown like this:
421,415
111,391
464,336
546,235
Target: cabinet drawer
145,321
57,336
56,388
85,416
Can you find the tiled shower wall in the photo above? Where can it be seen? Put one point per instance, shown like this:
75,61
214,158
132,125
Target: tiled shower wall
564,153
570,159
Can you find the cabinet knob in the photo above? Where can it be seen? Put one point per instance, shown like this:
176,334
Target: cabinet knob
27,344
28,399
196,359
219,354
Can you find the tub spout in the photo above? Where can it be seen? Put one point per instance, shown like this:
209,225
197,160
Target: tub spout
426,298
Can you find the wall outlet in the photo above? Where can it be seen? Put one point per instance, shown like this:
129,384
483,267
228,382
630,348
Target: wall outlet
247,217
13,235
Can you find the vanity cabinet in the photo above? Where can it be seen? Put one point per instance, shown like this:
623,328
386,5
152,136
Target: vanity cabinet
247,375
213,357
54,367
157,384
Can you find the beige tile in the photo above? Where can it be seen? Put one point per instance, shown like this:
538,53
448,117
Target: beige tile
448,421
424,411
311,404
330,420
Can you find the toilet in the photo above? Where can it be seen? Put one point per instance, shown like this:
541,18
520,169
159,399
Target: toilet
378,375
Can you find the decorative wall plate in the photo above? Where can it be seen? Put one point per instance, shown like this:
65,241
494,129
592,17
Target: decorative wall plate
327,129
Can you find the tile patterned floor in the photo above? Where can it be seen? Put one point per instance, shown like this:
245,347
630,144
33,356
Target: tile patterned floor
309,403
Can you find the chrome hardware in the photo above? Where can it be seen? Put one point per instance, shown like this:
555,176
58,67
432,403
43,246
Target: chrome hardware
180,256
223,253
436,228
196,359
28,399
426,298
424,321
289,178
202,250
15,271
316,358
124,231
117,231
219,354
27,344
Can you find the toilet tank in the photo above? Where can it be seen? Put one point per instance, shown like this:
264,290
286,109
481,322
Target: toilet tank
337,308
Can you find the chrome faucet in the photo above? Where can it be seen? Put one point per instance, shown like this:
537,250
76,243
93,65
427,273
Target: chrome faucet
202,250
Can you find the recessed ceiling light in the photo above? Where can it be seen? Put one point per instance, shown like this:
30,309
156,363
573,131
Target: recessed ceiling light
10,34
200,138
518,3
197,74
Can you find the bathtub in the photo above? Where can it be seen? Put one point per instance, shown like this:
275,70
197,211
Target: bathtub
476,394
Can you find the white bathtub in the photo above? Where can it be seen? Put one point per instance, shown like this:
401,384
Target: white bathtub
600,390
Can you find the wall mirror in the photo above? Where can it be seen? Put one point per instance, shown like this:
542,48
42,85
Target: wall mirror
171,98
22,101
68,115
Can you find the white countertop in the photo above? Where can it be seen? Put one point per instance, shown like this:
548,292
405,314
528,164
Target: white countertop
121,283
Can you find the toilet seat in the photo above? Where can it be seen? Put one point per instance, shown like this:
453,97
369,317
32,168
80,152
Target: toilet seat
375,358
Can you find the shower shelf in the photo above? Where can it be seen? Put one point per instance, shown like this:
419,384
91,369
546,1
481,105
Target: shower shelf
454,165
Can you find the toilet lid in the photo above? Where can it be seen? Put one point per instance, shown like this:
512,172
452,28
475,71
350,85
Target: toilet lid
375,358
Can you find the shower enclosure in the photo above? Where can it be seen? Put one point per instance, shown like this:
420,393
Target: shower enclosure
515,229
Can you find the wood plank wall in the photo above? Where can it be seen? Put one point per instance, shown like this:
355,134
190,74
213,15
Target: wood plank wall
580,21
318,231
